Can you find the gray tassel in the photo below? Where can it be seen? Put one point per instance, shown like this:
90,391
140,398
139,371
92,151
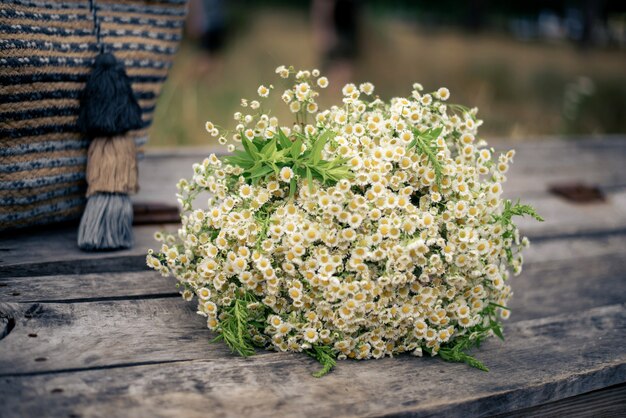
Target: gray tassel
107,223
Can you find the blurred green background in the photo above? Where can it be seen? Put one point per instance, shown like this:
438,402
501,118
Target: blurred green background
534,69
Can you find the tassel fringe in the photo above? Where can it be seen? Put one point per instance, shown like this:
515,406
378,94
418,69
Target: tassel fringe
107,223
112,165
108,106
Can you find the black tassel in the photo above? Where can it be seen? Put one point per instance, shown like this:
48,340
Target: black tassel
108,106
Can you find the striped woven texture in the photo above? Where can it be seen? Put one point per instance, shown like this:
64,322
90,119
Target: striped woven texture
46,52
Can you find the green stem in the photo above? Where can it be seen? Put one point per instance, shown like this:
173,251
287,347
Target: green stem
325,356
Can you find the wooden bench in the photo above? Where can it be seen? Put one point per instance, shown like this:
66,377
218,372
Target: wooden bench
97,334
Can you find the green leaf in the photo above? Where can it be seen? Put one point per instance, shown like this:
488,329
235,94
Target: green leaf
309,179
299,135
499,306
338,173
259,142
505,219
239,161
269,148
318,145
520,210
461,357
320,173
326,136
498,331
296,147
425,142
292,187
261,171
285,143
250,149
234,329
240,154
240,158
433,134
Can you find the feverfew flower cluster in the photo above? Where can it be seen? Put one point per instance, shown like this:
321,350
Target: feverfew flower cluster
408,249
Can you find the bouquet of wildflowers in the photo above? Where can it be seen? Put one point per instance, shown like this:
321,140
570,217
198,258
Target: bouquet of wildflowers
361,231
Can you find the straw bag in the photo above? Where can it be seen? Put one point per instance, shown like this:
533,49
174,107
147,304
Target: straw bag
47,50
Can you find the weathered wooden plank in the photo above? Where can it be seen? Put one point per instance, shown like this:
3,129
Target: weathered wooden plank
552,287
122,319
562,217
54,251
609,402
539,163
536,365
58,336
574,247
86,287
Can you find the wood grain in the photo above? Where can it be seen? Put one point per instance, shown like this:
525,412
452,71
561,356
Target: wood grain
551,287
87,287
103,334
606,403
108,324
544,360
565,218
54,251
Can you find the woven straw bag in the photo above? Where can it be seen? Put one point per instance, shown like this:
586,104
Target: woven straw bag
47,50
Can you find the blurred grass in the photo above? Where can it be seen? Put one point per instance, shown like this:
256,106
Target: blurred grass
520,88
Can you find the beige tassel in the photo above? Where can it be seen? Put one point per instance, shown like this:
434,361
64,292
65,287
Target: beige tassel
112,165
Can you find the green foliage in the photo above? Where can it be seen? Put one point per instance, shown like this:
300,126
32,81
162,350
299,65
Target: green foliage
325,356
518,209
506,219
234,328
261,158
458,355
456,351
426,143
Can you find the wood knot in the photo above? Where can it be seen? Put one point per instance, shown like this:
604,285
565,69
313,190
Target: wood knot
578,192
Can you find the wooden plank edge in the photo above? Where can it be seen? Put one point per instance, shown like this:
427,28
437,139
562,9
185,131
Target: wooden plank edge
114,264
505,402
607,402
